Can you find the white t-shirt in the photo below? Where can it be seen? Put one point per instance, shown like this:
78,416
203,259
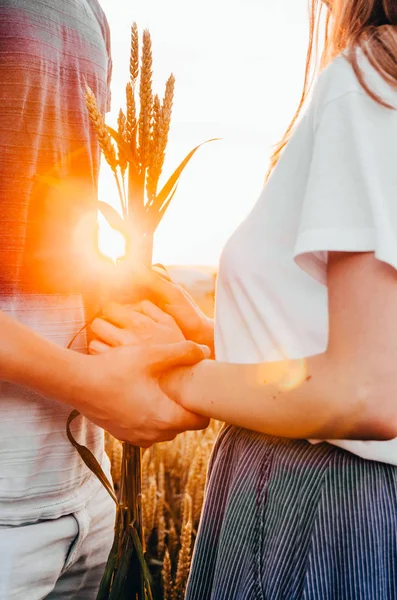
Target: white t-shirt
334,188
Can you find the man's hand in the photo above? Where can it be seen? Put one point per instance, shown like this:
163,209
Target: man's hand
120,392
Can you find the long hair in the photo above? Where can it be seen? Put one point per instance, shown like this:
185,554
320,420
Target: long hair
349,25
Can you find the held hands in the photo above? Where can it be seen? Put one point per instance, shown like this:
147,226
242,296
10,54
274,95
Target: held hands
130,359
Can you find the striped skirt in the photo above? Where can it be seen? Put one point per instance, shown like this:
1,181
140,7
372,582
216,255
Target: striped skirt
286,520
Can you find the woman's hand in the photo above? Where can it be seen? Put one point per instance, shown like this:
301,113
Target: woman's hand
175,301
120,391
141,324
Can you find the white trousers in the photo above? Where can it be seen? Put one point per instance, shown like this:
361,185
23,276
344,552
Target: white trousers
60,559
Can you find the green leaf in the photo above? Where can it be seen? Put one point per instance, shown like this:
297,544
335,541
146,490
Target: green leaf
88,458
142,561
118,591
107,578
114,219
173,180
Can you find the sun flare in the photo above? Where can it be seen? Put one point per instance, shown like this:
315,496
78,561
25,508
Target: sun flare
111,242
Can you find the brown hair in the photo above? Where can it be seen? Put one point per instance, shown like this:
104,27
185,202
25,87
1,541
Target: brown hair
370,25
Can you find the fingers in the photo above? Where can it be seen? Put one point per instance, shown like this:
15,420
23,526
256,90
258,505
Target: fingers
164,291
183,420
131,316
97,347
192,422
108,333
152,311
122,315
183,354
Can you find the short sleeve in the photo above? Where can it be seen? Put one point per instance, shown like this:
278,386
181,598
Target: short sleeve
350,200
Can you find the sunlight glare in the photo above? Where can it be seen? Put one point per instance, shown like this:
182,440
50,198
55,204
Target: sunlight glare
111,242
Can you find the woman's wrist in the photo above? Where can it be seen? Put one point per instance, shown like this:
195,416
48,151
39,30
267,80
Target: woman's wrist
182,385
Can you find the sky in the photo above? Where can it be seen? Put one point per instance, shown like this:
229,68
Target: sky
239,68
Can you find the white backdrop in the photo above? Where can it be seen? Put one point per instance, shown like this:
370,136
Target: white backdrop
239,69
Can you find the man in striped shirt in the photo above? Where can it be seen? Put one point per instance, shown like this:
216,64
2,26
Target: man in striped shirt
56,522
49,163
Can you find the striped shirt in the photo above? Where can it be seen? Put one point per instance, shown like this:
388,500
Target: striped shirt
49,162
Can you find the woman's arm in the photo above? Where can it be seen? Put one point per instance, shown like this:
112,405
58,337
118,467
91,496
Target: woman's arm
300,399
349,391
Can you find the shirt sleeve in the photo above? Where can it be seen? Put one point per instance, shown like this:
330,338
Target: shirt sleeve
350,202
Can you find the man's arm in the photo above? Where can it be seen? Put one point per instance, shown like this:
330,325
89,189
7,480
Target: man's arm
29,360
119,391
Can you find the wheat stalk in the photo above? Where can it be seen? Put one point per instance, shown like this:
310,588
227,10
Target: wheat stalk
122,131
196,480
152,503
114,449
146,101
160,139
167,577
134,55
131,125
165,473
172,537
152,175
185,551
102,133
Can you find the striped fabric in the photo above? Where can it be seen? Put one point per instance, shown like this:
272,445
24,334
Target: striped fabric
49,161
285,520
49,157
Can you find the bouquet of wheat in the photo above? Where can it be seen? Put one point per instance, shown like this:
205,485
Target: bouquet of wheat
135,153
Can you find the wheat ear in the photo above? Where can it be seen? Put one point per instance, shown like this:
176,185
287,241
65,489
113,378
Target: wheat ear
160,136
167,577
134,56
152,177
103,136
185,551
146,101
131,124
122,131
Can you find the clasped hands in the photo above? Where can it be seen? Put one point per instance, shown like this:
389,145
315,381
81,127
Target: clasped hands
135,347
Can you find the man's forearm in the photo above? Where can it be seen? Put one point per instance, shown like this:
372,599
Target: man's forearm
33,362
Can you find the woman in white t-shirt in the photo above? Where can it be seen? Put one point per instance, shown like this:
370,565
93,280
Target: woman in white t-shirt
306,346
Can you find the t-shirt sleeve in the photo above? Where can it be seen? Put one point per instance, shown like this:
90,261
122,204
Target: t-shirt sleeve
350,201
